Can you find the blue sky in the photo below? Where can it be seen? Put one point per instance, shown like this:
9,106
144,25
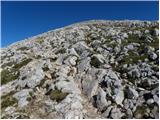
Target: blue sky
21,20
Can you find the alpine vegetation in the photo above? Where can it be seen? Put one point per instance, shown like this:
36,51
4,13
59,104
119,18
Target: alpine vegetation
94,69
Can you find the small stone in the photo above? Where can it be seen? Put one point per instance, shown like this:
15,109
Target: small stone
107,112
156,99
155,32
119,96
128,104
22,96
131,93
73,60
150,101
130,47
101,99
116,113
10,110
48,75
153,56
125,35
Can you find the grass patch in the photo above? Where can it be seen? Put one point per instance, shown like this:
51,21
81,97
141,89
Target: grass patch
23,63
8,100
155,43
58,95
133,58
23,48
40,40
13,73
7,76
132,39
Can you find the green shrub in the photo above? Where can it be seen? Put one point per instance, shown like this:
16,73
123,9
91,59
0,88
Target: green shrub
29,98
58,95
94,62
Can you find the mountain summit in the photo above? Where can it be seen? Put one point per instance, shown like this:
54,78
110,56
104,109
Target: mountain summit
94,69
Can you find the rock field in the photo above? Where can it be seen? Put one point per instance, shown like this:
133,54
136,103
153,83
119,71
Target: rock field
93,69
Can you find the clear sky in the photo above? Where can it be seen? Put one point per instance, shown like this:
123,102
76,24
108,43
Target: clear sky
21,20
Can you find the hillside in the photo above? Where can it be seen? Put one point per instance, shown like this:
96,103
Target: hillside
92,69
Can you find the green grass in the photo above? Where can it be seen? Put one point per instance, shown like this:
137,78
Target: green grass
8,100
58,95
13,73
40,40
132,39
133,58
23,63
155,43
17,65
7,76
23,48
140,110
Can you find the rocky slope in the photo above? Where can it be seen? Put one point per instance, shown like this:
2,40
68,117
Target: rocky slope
94,69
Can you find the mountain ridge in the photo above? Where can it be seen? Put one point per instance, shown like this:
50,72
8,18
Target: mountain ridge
77,23
95,69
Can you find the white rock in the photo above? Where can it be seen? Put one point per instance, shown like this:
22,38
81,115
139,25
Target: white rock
22,96
101,99
116,113
119,96
153,56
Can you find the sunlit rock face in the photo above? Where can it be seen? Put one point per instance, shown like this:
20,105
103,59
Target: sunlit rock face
93,69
